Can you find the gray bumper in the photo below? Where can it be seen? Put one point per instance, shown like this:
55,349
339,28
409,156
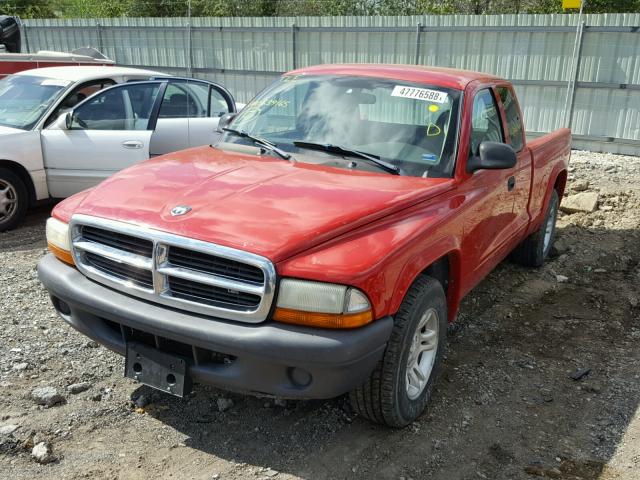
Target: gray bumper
268,358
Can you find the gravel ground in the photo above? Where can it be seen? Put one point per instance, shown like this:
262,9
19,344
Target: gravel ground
541,379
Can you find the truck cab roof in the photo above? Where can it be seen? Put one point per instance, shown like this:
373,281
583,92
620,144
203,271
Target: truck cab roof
445,77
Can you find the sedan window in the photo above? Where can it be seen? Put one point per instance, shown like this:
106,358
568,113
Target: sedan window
184,100
24,99
126,107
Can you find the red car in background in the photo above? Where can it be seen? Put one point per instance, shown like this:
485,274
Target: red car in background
18,62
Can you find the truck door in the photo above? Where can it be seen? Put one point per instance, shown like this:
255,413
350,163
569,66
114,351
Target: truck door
189,115
487,225
108,132
522,173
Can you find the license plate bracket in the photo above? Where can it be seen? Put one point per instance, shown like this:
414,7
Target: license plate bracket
157,369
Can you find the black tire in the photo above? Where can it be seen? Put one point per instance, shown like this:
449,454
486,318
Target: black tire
12,215
532,252
383,398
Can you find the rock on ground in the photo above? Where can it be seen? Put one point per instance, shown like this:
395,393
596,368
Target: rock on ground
79,387
47,396
42,453
580,202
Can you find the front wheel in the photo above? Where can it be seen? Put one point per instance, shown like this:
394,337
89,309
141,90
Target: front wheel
399,388
13,200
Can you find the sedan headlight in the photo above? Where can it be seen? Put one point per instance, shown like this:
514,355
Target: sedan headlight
320,304
58,240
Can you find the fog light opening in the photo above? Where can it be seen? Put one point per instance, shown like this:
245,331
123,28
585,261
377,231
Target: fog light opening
299,377
137,368
61,306
171,380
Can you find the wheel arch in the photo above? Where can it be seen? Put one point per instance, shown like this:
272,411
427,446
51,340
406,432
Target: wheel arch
24,175
560,183
444,267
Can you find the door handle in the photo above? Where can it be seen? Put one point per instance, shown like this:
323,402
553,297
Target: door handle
132,144
511,183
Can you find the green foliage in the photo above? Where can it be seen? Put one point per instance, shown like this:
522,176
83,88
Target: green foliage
259,8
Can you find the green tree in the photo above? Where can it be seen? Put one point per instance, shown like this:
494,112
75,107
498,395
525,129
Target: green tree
259,8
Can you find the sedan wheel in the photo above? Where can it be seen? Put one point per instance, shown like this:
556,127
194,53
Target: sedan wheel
14,199
8,201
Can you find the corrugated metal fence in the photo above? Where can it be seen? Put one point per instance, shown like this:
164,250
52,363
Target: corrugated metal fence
533,51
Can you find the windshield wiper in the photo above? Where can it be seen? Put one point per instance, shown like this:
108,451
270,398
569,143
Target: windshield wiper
327,147
260,142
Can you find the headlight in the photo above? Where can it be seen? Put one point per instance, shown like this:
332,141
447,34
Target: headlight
321,304
58,240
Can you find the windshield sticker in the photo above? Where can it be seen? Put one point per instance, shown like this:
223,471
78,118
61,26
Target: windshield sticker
434,108
419,94
54,82
433,130
429,158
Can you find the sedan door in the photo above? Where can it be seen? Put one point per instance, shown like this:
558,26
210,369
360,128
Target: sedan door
110,131
189,115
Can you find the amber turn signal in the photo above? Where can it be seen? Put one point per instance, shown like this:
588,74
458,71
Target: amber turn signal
61,254
323,320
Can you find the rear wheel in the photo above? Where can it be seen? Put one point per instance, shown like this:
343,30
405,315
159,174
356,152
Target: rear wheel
13,200
534,250
399,388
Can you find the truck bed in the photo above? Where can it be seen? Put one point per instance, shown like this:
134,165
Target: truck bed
549,155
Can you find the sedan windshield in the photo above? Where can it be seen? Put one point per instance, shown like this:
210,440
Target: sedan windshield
406,125
24,99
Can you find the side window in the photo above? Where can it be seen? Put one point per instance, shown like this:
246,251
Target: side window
485,121
185,99
218,104
78,95
127,107
514,123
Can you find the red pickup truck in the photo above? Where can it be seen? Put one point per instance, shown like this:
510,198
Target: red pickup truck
321,246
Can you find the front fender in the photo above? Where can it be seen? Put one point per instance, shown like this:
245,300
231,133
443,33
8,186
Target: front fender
384,258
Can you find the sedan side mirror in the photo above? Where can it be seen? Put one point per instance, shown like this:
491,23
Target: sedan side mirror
68,120
493,156
225,120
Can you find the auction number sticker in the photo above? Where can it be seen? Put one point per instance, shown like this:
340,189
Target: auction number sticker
419,94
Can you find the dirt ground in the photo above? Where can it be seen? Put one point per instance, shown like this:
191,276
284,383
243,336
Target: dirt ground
506,406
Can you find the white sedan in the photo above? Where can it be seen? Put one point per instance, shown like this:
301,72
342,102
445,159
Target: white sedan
65,129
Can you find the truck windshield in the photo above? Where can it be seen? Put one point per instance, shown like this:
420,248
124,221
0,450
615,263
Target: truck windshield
408,125
24,99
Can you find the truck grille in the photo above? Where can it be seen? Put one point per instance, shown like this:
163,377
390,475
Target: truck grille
179,272
138,276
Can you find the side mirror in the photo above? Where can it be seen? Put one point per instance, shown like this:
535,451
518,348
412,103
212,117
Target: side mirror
68,120
493,156
225,120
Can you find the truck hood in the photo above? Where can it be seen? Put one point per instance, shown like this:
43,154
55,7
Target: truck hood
259,204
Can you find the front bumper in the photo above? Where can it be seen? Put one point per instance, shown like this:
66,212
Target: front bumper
267,358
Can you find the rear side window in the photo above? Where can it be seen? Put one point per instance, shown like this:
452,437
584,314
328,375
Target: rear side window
485,121
192,100
514,123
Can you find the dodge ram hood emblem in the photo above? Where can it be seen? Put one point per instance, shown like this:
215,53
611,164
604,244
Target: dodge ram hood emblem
180,210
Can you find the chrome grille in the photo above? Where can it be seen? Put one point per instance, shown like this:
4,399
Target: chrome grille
172,270
224,267
138,276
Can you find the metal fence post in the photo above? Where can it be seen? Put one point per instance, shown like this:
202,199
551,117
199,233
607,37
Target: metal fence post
99,32
418,33
294,52
576,73
26,38
189,51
